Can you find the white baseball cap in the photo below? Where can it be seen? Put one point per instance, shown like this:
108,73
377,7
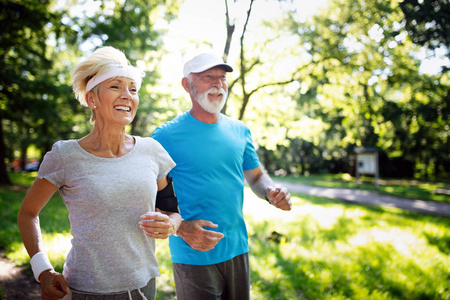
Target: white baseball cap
204,62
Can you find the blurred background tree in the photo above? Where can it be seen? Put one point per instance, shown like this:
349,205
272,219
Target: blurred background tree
360,86
311,89
427,22
40,43
29,88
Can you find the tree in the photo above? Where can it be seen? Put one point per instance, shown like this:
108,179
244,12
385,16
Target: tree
246,64
40,44
22,56
428,22
364,82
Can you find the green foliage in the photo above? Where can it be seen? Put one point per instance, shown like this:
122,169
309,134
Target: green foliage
165,283
22,55
347,77
130,27
35,105
428,22
361,78
40,43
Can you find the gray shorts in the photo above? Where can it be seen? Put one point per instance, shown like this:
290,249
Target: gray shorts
228,280
149,291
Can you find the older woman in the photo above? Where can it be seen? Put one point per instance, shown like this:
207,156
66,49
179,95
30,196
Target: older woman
115,187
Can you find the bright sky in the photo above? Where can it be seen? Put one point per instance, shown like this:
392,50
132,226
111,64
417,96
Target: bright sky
204,20
200,27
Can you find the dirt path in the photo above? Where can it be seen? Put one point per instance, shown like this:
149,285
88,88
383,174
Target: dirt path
15,284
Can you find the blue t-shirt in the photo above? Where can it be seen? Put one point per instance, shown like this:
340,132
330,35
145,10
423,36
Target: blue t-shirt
209,181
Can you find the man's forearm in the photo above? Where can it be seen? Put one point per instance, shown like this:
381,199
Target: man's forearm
261,185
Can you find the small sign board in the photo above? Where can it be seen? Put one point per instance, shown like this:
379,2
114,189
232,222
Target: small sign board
367,163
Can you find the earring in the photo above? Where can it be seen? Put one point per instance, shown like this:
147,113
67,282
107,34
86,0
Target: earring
95,106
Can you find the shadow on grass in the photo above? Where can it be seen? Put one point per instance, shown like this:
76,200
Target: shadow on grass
379,254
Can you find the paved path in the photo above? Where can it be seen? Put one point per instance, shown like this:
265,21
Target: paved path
371,198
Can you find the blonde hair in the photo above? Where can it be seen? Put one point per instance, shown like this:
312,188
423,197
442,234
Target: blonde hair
100,61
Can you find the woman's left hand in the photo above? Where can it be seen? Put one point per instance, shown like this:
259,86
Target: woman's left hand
157,225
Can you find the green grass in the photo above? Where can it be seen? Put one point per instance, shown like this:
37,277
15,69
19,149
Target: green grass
326,249
333,250
412,189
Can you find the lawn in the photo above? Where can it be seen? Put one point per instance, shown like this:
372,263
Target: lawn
322,249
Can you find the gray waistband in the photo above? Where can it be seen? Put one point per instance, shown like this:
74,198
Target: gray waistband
151,286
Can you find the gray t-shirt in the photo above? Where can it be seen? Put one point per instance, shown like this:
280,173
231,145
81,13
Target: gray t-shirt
105,198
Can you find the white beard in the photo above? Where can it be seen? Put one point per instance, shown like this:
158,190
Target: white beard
212,107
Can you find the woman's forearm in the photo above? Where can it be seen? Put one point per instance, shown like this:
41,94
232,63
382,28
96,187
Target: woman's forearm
30,232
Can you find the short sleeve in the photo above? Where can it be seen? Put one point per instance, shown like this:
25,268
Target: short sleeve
165,162
160,136
251,159
52,168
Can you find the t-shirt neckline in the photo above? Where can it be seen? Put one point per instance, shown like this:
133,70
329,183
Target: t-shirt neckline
87,153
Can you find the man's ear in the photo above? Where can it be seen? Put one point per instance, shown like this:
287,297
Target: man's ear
186,85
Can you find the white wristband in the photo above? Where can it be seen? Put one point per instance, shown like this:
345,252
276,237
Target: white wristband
40,263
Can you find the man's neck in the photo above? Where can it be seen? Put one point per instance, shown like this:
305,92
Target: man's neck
204,116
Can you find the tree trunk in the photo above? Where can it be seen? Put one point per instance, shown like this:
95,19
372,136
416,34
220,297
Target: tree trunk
4,179
230,31
226,51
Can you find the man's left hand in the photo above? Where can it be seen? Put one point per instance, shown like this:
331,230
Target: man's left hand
279,197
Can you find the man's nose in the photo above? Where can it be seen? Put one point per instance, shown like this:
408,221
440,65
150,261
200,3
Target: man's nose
217,81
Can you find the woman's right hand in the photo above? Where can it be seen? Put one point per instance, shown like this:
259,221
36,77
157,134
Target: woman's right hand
53,285
157,225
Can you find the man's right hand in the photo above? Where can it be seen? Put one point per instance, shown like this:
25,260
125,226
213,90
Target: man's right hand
193,233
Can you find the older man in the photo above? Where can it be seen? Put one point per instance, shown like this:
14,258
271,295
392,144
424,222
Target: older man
213,153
